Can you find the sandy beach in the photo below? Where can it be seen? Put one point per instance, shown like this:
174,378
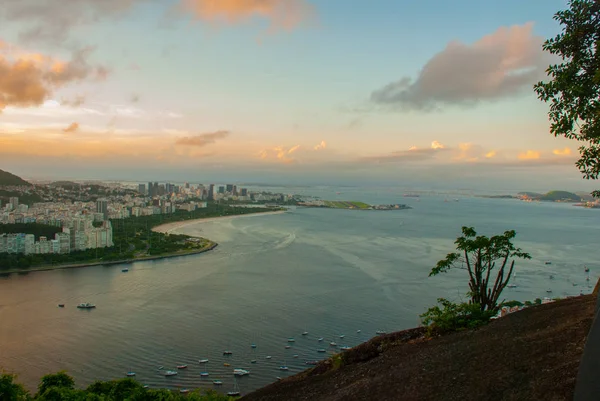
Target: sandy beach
172,227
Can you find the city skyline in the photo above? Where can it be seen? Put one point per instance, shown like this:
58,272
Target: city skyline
276,92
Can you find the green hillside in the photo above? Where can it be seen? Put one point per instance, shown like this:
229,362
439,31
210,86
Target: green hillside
7,178
561,196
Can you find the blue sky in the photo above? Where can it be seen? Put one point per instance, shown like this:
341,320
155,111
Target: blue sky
294,89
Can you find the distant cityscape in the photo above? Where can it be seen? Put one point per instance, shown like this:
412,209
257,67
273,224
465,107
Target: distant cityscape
84,211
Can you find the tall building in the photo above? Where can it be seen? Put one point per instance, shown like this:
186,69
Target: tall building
150,189
102,207
211,192
244,191
221,189
187,185
234,190
142,188
230,188
14,202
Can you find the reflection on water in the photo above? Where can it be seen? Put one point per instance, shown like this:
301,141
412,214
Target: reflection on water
328,272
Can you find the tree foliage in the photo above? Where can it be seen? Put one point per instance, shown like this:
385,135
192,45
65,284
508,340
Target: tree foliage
574,88
489,261
10,390
453,317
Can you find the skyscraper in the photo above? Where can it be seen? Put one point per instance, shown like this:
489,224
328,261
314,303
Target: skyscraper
234,190
244,191
142,188
155,189
221,189
150,189
102,207
14,202
211,192
230,188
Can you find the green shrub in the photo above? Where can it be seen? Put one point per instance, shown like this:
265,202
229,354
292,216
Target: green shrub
453,317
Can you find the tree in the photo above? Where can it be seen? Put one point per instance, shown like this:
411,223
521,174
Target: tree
9,390
574,88
59,380
482,258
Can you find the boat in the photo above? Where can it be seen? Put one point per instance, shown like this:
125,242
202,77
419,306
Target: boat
86,305
288,346
253,361
547,263
291,340
358,331
268,357
170,373
61,305
512,286
311,362
203,361
320,339
551,277
379,332
227,353
586,269
278,378
333,344
203,374
548,290
253,345
130,374
295,355
226,364
146,386
217,382
345,348
181,366
125,270
184,391
321,350
305,333
160,368
241,372
574,284
342,335
283,367
236,391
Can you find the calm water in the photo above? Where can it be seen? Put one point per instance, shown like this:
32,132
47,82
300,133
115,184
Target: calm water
329,272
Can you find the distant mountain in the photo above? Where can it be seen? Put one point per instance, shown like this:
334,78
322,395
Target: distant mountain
561,196
7,178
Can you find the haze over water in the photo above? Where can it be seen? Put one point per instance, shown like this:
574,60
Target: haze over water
329,272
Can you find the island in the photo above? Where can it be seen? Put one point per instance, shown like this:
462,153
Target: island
351,205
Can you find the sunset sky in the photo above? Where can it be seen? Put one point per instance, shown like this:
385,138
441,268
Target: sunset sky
311,91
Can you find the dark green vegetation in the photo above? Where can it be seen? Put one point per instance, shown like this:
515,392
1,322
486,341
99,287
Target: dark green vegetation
36,229
25,197
133,239
560,196
489,261
346,205
574,88
61,387
8,179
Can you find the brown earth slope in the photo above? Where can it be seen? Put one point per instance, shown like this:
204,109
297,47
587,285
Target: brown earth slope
533,354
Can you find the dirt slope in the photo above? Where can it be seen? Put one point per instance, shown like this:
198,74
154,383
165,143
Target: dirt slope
533,354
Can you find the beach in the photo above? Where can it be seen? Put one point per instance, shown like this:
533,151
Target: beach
172,227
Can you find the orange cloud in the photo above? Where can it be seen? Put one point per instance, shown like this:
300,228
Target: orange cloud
529,155
203,139
562,152
491,154
286,14
437,145
322,145
71,128
27,79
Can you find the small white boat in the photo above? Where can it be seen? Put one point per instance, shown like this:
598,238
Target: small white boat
320,339
358,331
184,391
233,393
86,305
345,348
253,361
160,368
217,382
548,290
574,284
181,366
253,345
283,367
512,286
333,344
288,346
268,357
291,340
305,333
130,374
203,374
203,361
295,355
170,373
379,332
342,335
278,378
146,386
321,350
241,372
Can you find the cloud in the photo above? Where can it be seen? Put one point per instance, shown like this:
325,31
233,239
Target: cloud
286,14
491,154
529,155
562,152
71,128
79,100
28,79
437,145
203,139
497,66
280,154
322,145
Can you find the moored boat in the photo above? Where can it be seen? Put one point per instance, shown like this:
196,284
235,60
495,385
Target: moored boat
170,373
86,305
182,366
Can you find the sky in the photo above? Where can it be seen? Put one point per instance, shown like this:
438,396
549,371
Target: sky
282,91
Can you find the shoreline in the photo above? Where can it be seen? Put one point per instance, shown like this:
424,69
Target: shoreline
167,228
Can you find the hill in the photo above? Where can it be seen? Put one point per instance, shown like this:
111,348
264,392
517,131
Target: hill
533,354
561,196
7,178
